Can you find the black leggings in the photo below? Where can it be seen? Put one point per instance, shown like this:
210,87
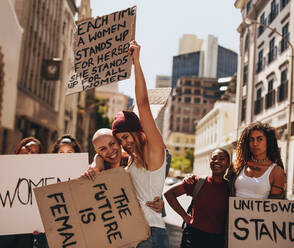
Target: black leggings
193,237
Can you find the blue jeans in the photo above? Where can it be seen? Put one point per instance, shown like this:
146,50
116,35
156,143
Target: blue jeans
157,239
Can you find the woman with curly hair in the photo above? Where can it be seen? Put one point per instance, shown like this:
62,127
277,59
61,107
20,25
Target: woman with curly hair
66,144
258,171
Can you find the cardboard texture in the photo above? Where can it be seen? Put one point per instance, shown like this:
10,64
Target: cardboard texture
101,50
20,174
100,213
261,223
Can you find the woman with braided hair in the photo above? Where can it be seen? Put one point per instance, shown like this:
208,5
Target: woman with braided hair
258,170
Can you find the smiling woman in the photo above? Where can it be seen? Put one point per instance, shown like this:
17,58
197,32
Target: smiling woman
206,226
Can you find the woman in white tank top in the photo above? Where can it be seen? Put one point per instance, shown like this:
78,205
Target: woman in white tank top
258,171
141,139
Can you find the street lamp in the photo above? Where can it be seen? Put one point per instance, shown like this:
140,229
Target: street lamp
250,22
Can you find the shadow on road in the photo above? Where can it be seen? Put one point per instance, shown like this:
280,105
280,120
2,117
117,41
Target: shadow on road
175,235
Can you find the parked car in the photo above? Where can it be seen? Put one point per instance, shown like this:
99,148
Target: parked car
172,180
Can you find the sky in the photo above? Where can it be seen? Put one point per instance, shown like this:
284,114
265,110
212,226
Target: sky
161,23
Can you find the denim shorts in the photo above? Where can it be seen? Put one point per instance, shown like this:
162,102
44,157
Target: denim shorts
157,239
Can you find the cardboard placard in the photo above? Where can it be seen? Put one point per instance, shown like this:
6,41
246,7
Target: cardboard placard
84,213
261,223
101,50
20,174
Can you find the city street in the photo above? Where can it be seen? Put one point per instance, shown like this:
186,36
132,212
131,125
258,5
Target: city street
173,220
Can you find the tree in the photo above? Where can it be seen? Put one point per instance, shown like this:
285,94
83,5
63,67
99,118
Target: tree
102,120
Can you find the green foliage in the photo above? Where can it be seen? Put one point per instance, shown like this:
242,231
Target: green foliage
183,163
102,120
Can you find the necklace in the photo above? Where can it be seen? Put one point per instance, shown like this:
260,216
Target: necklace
259,161
254,168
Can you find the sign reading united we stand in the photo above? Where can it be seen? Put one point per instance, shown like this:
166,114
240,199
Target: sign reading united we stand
101,50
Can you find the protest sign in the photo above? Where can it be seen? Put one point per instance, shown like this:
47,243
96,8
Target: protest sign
20,174
261,223
101,50
84,213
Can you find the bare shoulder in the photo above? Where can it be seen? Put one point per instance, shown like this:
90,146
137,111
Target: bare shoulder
278,175
278,171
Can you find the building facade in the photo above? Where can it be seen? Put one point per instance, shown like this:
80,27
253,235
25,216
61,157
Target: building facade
207,59
177,143
44,69
115,102
265,72
162,81
10,45
185,65
192,99
189,43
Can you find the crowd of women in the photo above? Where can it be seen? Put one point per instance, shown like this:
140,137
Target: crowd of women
136,144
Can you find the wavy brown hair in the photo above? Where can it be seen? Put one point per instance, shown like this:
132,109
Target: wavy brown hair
243,154
140,141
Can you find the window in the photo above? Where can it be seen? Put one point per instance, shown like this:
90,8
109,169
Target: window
188,83
197,100
283,88
187,99
260,64
270,96
245,74
197,83
248,6
283,3
197,92
284,44
262,20
274,12
187,91
270,85
258,102
272,51
243,110
179,99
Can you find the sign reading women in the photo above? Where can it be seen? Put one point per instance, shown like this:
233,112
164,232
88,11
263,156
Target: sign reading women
101,50
20,174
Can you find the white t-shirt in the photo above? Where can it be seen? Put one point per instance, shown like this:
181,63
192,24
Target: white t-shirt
148,185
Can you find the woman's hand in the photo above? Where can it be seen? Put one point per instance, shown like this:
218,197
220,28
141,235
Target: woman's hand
134,50
190,179
187,219
90,173
156,205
